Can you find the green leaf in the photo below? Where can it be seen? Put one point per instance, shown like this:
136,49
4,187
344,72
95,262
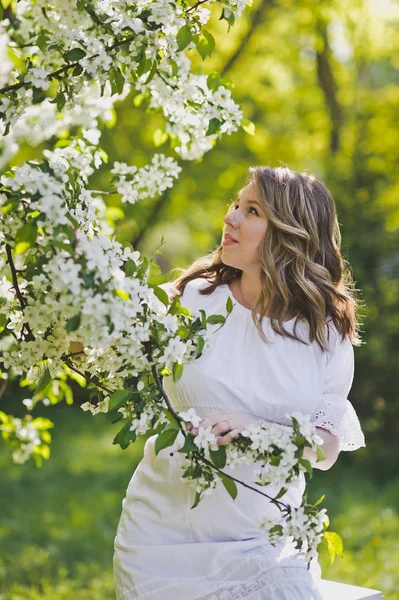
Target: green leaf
153,70
38,96
175,67
248,126
125,436
42,41
197,499
214,319
118,417
130,267
43,382
142,270
78,70
3,322
188,472
119,398
199,346
177,371
229,304
214,125
166,438
334,544
197,472
230,19
205,43
169,415
60,101
230,486
320,454
218,457
117,81
214,81
73,323
25,238
320,500
184,37
203,320
67,247
161,294
280,494
305,463
74,54
144,66
189,445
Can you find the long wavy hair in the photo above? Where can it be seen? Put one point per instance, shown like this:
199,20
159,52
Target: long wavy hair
302,270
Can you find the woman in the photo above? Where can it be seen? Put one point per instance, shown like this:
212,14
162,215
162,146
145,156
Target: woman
285,347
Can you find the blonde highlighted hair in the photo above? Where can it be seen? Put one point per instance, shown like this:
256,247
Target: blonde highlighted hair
302,270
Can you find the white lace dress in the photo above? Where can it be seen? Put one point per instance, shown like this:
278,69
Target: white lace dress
164,550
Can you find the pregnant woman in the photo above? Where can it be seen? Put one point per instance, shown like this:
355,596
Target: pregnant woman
286,346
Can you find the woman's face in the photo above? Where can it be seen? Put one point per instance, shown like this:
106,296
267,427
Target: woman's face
247,224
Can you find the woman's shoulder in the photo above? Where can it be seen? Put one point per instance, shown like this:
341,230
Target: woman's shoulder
336,342
190,296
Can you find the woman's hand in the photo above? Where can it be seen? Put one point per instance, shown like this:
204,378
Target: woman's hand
224,423
330,447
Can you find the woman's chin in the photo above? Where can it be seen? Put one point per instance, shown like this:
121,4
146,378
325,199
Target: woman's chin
229,263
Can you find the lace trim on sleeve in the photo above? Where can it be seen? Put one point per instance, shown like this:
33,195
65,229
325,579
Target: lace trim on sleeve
337,415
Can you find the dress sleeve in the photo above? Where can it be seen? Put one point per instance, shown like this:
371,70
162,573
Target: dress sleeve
335,412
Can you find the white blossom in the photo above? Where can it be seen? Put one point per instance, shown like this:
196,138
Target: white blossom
38,78
191,417
205,439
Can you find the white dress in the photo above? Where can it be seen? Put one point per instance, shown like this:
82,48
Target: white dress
164,550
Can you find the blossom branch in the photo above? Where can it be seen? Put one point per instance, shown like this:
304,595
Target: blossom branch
206,461
67,67
91,379
30,336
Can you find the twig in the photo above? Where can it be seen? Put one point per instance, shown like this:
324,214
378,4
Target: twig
165,397
91,379
14,276
205,460
196,5
30,336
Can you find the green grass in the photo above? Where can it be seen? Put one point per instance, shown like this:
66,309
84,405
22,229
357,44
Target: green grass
58,522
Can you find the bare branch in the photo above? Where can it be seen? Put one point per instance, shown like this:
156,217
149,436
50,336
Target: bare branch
328,84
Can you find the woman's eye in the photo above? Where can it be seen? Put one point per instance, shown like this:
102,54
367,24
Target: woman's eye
251,208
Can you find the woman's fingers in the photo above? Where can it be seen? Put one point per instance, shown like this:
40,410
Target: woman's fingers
229,437
221,427
219,422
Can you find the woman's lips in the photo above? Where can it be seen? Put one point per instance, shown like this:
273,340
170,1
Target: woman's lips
228,240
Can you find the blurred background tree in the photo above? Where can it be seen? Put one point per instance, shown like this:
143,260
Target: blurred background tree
320,80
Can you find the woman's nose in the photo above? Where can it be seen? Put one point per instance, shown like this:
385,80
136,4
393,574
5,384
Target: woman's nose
230,219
